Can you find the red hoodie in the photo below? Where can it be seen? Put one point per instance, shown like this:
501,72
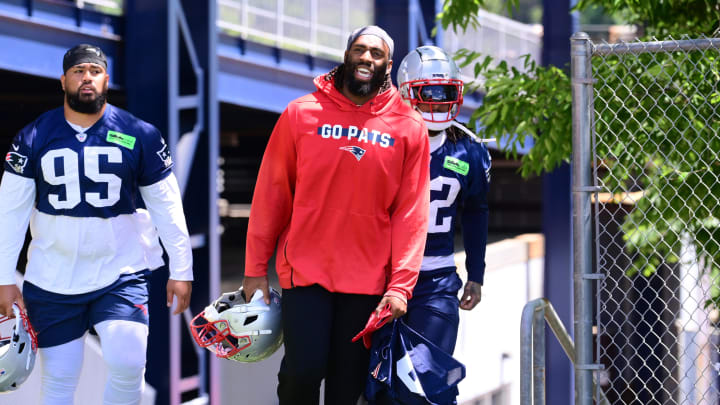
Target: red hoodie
343,193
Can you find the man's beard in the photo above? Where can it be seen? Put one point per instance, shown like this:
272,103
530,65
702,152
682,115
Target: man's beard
86,107
361,88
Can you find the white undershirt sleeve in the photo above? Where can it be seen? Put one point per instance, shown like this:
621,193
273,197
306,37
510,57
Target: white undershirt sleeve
164,203
17,199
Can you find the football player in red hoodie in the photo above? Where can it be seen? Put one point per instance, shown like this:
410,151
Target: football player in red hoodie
343,196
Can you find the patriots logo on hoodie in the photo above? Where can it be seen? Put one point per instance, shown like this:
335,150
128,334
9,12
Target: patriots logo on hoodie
16,161
357,151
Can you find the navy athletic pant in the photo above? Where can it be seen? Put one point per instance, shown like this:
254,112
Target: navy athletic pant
318,326
433,312
433,309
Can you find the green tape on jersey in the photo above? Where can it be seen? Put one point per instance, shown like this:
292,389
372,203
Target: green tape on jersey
456,165
121,139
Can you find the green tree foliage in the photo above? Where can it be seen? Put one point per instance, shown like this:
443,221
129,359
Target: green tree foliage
657,114
664,17
516,108
525,11
461,14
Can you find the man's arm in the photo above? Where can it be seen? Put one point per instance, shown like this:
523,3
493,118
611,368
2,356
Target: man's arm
409,221
164,202
17,197
475,218
272,202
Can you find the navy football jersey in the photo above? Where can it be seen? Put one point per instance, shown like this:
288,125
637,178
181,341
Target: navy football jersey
459,182
410,369
90,174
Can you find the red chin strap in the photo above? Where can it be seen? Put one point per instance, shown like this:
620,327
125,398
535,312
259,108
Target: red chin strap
26,324
29,329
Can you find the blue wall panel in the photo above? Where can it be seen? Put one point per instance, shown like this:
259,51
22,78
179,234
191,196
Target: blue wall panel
147,98
263,77
33,39
559,25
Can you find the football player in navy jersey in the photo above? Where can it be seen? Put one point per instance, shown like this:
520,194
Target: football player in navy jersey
75,175
459,180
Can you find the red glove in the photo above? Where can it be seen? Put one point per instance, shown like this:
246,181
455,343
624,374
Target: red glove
375,322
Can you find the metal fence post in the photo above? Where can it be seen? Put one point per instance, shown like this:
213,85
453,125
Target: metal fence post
527,344
582,232
538,355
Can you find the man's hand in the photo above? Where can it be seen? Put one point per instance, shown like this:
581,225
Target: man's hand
181,290
398,307
471,295
10,294
251,284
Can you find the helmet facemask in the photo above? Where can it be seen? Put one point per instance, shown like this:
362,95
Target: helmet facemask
438,100
215,334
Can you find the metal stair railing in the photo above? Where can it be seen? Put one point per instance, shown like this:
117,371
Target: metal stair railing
532,350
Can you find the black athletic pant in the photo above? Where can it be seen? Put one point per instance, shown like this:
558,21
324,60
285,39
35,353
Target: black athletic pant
318,326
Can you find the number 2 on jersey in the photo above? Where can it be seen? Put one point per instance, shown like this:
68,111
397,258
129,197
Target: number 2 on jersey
437,184
70,177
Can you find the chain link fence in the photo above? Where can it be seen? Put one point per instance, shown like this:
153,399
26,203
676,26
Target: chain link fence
654,195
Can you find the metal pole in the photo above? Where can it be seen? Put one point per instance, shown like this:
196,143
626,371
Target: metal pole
413,15
173,137
526,350
582,231
439,33
559,331
539,355
213,132
279,23
346,28
314,26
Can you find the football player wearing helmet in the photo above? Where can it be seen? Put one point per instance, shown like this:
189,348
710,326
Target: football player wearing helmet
237,329
459,179
342,195
75,175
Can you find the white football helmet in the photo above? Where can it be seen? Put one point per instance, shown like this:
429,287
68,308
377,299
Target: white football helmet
17,351
238,330
429,76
